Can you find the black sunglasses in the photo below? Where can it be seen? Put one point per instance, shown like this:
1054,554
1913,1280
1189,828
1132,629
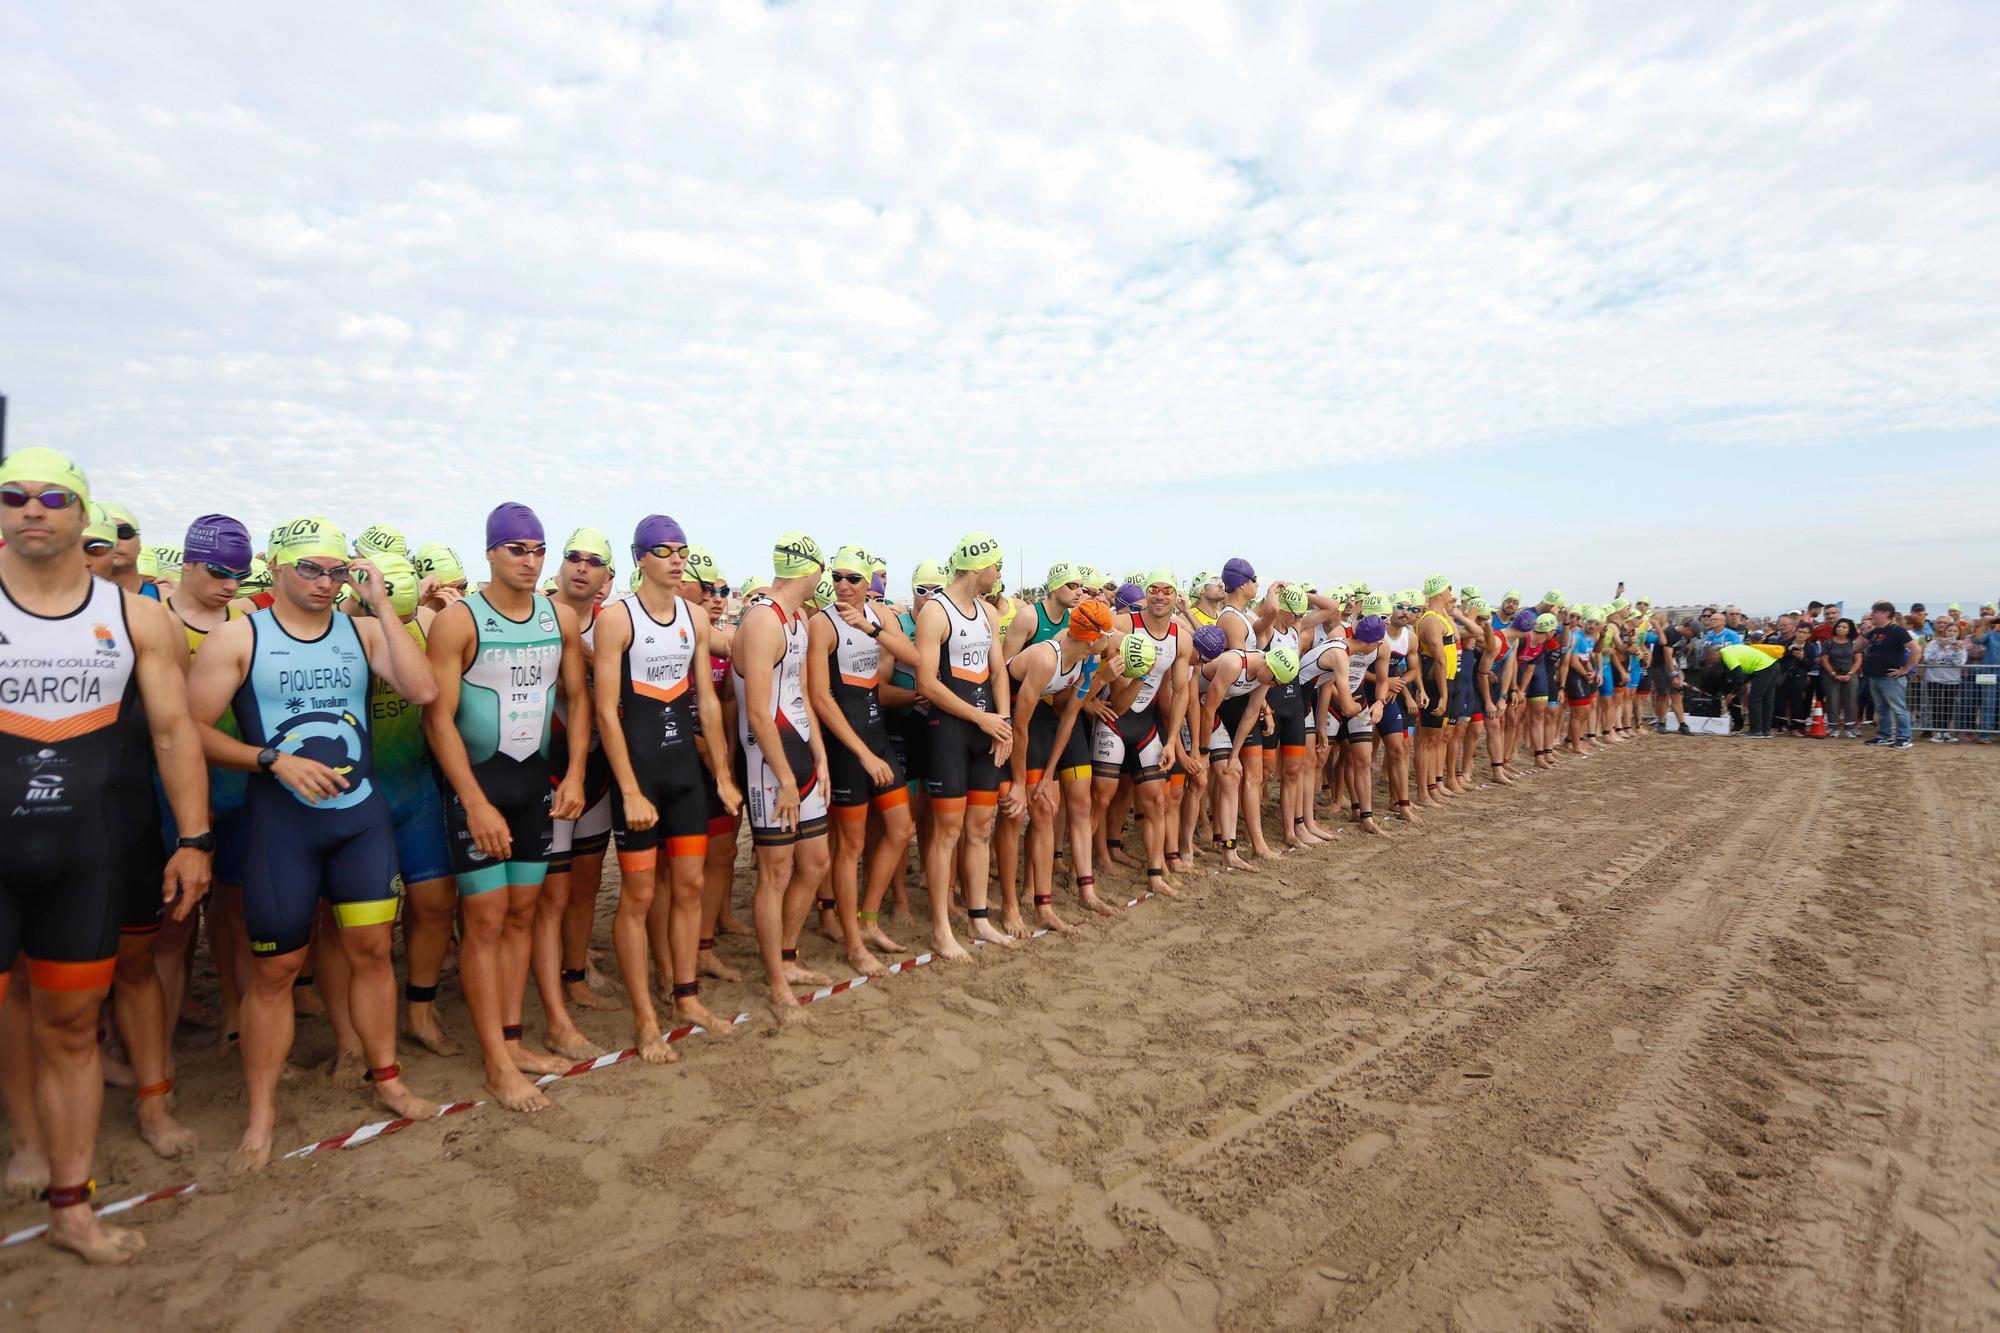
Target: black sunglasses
849,578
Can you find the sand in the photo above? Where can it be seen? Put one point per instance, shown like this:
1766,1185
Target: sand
1696,1031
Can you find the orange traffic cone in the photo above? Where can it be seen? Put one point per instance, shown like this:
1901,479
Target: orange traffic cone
1818,727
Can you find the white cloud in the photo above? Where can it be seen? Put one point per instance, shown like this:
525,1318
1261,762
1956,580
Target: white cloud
798,239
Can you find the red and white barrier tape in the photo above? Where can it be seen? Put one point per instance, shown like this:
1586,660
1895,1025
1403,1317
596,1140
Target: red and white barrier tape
354,1138
108,1210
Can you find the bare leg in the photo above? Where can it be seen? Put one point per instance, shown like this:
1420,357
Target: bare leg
947,826
977,849
718,877
850,837
1152,798
350,1061
371,1004
28,1163
545,954
69,1099
139,1005
429,907
267,1037
586,874
686,884
631,938
1007,856
768,902
483,975
886,859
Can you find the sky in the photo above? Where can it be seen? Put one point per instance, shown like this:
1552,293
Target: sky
1699,296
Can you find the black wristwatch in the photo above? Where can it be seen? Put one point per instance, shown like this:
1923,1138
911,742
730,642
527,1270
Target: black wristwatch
201,842
267,757
875,631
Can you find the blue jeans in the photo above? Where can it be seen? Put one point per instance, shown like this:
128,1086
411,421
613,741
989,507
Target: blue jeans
1892,708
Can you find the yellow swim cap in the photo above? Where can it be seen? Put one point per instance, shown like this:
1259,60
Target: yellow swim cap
46,466
975,550
166,560
701,565
928,573
1160,575
435,559
851,560
1060,573
823,590
120,514
100,526
148,563
1292,598
259,578
399,580
796,556
379,537
1435,584
313,538
591,542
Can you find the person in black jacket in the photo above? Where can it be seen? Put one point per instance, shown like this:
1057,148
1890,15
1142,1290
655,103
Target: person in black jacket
1800,664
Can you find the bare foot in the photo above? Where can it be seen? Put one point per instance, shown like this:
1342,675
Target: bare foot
349,1070
27,1173
593,978
790,1013
1266,854
515,1093
117,1074
690,1009
1015,926
946,947
872,936
1046,914
983,929
572,1045
902,916
799,976
251,1155
829,928
583,996
1368,825
1232,860
655,1049
1096,904
708,964
78,1231
531,1062
1408,814
395,1096
1117,857
867,964
1163,886
420,1025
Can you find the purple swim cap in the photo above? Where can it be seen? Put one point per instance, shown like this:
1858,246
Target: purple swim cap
1237,572
879,584
217,539
656,530
1523,622
1210,642
512,522
1130,597
1369,629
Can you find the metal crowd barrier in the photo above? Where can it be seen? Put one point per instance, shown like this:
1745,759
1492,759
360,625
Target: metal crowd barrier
1968,707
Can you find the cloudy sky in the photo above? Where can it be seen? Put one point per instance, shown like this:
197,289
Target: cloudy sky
1700,296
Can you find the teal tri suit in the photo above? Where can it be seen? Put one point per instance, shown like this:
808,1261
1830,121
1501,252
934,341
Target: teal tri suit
506,715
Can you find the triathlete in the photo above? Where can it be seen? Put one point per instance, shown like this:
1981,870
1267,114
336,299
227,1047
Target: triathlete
316,824
784,763
1052,678
703,576
969,737
1140,743
1239,582
1437,649
846,642
909,734
1237,680
1403,697
651,680
577,846
90,689
1350,703
500,655
443,575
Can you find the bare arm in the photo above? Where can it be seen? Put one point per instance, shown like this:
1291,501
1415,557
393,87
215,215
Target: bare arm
820,643
177,747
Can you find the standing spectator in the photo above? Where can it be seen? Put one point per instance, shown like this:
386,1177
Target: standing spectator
1887,654
1984,704
1840,680
1922,628
1829,617
1943,658
1801,668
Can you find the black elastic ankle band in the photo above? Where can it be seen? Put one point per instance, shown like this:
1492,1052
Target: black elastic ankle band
419,994
510,1032
303,979
1044,899
685,989
1155,872
572,975
825,904
978,913
788,955
708,943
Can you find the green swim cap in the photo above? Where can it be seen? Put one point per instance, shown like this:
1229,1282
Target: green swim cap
100,526
1160,574
1620,604
377,537
435,559
1511,595
927,574
46,466
823,590
1545,623
701,565
1470,593
120,514
1477,605
1284,664
638,577
796,556
399,580
167,561
259,579
1434,585
592,542
1093,577
1377,604
1138,652
1062,572
1361,588
1292,598
148,563
310,538
1553,597
851,560
1407,597
1197,583
975,550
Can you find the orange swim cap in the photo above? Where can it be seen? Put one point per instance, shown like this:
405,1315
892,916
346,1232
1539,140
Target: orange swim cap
1090,621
